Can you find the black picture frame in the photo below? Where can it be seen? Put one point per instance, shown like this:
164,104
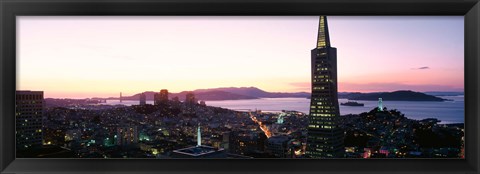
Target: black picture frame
9,9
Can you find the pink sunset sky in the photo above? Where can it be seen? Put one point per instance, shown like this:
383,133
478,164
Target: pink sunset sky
82,57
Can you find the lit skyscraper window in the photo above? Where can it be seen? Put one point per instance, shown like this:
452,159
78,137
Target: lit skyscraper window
325,137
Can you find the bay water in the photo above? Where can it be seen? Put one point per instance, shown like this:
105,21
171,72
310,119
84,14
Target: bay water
446,111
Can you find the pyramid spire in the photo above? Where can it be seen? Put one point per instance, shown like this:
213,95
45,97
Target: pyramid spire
323,36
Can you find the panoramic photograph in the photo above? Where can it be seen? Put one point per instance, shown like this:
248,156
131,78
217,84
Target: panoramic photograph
303,87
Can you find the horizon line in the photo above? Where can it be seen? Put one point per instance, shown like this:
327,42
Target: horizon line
462,91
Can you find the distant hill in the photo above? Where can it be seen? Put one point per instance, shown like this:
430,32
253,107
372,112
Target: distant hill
241,93
219,95
255,92
230,93
207,95
442,93
391,96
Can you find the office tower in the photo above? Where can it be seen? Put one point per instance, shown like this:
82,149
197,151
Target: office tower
29,118
190,98
161,98
143,99
325,137
120,97
190,103
176,103
164,96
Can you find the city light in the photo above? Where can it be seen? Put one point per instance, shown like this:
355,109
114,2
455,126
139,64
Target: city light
113,109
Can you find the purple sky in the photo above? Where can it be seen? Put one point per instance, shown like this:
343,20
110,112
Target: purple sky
79,57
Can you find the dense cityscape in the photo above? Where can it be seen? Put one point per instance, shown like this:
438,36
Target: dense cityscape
190,128
90,129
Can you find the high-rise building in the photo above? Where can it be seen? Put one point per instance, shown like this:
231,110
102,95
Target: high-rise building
161,98
143,99
29,118
164,95
176,102
325,137
190,103
190,98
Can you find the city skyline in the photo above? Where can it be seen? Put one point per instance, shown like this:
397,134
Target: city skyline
105,64
170,127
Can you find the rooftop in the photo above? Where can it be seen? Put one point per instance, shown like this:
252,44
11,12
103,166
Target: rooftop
198,150
28,92
278,139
